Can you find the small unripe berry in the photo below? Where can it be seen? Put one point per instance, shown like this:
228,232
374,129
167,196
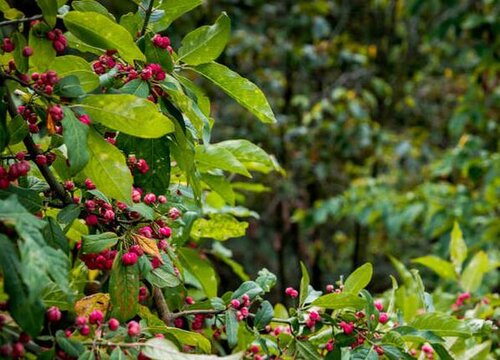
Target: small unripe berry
27,51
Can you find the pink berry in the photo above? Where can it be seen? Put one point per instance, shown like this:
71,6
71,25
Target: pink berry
54,314
27,51
137,250
189,300
96,317
89,184
149,198
41,160
84,119
383,318
69,185
17,350
314,315
378,304
85,330
80,321
129,258
291,292
166,231
109,215
174,213
91,220
133,328
113,324
426,348
162,199
235,303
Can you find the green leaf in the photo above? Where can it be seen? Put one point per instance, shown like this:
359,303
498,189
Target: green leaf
21,61
158,55
458,248
441,325
129,114
137,87
266,280
91,6
210,157
99,31
75,137
118,354
87,355
69,87
443,352
240,89
251,288
68,214
232,326
472,276
123,289
202,269
249,154
264,315
43,51
362,353
359,279
163,349
18,129
4,132
49,11
409,333
221,186
28,312
441,267
173,9
393,353
54,235
69,346
96,243
304,284
156,152
308,351
219,227
108,169
30,199
206,43
161,277
339,301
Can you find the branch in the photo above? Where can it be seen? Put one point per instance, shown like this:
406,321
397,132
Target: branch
19,21
161,305
146,18
33,151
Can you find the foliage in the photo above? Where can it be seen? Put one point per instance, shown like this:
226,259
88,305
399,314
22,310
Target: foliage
110,190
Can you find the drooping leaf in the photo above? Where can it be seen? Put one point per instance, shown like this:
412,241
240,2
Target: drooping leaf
49,11
123,289
108,169
232,326
92,244
441,267
206,43
129,114
221,186
339,301
251,288
54,235
249,154
441,325
75,137
173,9
99,31
304,284
147,245
472,275
264,315
219,227
202,269
359,279
161,277
240,89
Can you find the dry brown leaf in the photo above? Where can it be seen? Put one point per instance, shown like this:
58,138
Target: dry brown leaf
86,305
147,245
51,126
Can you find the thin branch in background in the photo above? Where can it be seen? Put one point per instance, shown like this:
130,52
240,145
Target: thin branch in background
19,21
147,16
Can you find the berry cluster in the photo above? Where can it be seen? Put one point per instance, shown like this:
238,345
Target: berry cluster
162,42
45,82
241,307
59,41
140,164
105,63
99,261
14,171
153,72
31,118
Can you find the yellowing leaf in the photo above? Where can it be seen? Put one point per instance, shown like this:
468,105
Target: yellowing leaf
87,304
147,245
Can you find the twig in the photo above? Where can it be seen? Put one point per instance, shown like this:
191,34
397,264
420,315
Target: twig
161,305
33,151
22,20
147,16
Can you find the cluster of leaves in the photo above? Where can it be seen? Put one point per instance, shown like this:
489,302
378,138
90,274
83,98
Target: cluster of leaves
104,227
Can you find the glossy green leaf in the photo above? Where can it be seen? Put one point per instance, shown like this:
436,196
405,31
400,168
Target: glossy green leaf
232,326
43,51
249,154
137,87
18,129
409,333
87,355
96,243
221,186
251,288
206,43
266,279
359,279
75,137
49,11
210,157
201,268
307,350
108,169
75,65
20,42
163,349
219,227
129,114
240,89
161,277
28,198
441,325
69,87
91,6
118,354
54,235
472,275
441,267
304,284
339,301
71,347
264,315
123,289
458,248
99,31
173,9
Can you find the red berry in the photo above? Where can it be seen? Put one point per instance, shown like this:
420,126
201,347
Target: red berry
189,300
59,46
89,184
129,258
80,321
27,51
69,185
133,328
162,199
149,198
92,220
24,338
383,318
85,330
378,305
166,231
291,292
53,314
8,46
41,160
18,350
137,250
113,324
96,317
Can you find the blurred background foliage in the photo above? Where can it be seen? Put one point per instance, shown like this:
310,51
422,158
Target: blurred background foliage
388,129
